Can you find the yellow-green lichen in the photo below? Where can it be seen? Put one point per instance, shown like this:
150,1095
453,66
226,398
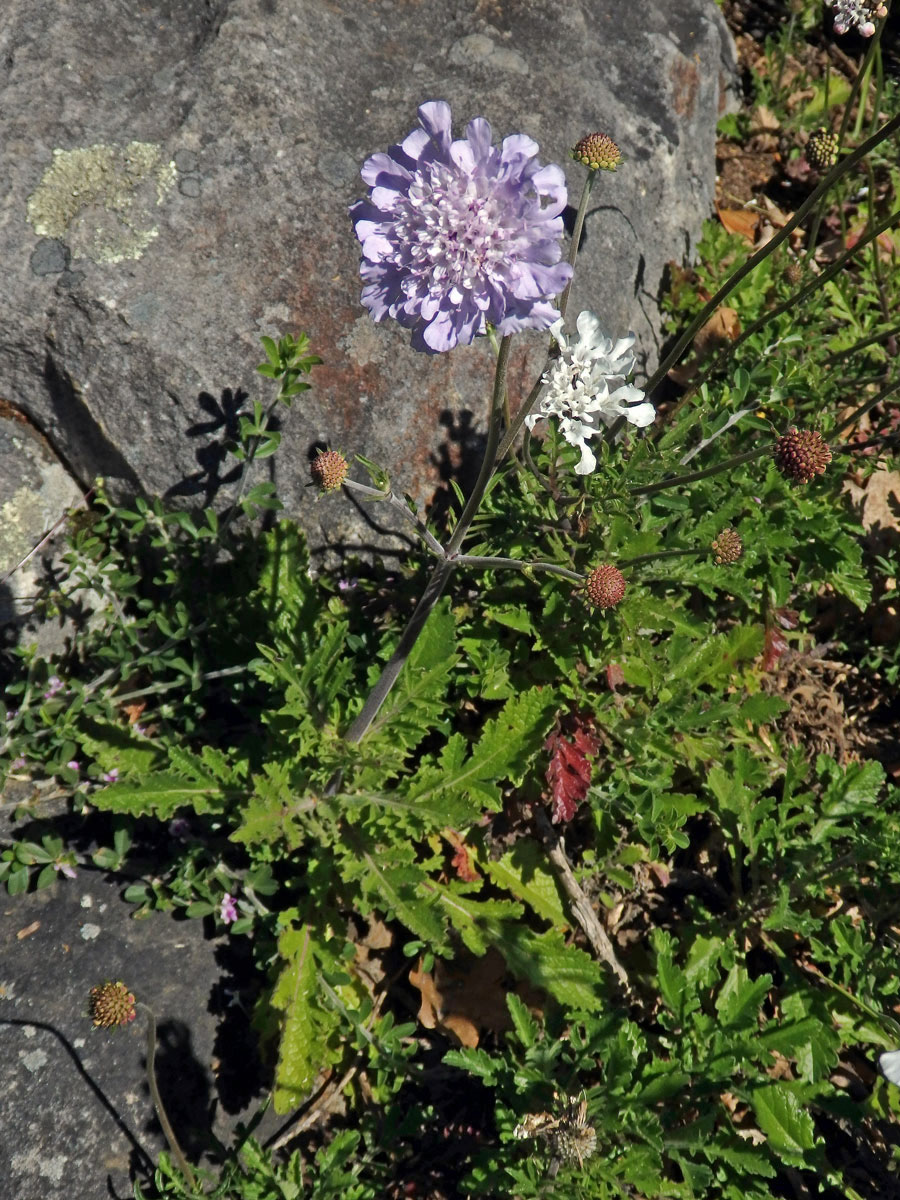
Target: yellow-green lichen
100,200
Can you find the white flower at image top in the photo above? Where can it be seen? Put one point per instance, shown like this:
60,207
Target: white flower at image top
586,388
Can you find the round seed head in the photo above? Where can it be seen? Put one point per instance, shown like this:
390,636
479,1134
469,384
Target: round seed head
801,454
329,470
605,586
112,1004
793,273
727,546
822,149
597,152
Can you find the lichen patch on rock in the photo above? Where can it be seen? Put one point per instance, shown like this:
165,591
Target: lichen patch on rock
101,200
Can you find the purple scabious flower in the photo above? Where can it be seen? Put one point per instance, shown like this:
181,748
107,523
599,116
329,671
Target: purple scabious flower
459,234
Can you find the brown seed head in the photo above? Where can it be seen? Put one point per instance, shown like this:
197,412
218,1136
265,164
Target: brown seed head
597,152
329,470
822,149
801,454
605,586
727,546
112,1004
793,273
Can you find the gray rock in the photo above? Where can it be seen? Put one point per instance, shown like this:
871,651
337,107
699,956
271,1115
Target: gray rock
174,186
36,491
75,1108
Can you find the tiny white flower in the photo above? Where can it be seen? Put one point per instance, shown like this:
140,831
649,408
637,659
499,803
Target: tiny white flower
586,385
889,1064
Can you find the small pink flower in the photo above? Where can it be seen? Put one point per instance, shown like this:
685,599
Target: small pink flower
228,910
18,763
54,684
66,869
111,776
73,765
180,827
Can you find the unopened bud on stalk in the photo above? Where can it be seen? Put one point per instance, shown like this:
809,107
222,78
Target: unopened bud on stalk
822,149
112,1004
801,454
793,273
597,152
329,470
605,587
727,546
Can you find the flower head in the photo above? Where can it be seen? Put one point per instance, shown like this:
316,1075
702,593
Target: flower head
605,586
329,470
856,12
459,234
228,910
801,454
112,1004
597,152
586,385
727,546
111,776
822,149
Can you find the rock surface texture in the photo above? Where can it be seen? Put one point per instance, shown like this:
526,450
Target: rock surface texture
174,182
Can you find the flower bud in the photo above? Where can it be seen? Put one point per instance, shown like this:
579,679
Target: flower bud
605,587
801,454
822,149
597,152
329,470
112,1004
793,273
727,546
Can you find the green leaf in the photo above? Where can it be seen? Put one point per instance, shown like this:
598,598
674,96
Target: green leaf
788,1127
159,795
299,1054
523,871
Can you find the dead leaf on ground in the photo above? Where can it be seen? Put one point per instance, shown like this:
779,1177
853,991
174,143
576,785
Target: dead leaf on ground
722,327
465,998
741,221
878,503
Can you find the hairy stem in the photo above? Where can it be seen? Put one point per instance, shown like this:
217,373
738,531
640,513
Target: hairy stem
177,1153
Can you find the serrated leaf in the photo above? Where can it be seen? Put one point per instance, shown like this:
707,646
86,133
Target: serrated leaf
566,972
159,795
740,998
788,1127
523,872
299,1055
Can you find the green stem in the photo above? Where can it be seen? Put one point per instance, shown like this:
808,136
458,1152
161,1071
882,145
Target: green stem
444,568
576,238
754,260
177,1153
490,451
649,489
793,302
645,558
842,133
488,562
892,386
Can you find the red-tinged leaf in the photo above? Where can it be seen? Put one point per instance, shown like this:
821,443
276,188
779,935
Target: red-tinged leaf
569,772
615,676
462,866
787,618
775,646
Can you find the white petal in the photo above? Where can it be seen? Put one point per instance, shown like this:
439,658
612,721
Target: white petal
641,415
889,1064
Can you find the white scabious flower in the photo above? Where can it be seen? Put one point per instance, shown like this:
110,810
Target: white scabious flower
586,387
859,13
889,1063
